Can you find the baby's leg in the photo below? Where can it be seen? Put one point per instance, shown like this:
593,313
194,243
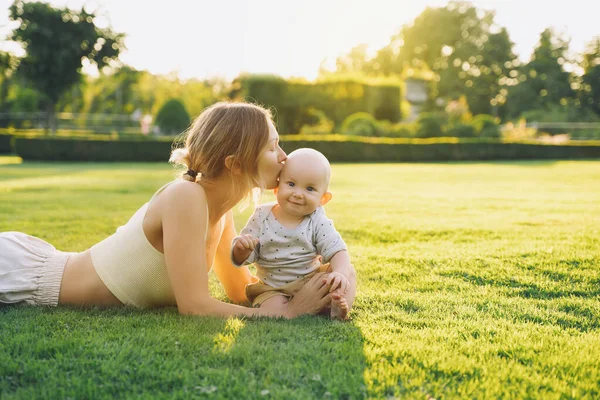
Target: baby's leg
339,306
341,303
275,303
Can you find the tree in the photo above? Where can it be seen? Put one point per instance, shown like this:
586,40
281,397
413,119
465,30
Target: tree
466,51
590,81
544,83
114,93
8,64
56,40
459,45
354,62
172,118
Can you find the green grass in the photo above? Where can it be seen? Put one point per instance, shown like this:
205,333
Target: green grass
476,280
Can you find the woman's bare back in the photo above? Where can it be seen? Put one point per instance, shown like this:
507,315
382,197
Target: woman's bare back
81,284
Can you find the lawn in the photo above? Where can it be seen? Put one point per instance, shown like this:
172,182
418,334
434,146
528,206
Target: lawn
476,280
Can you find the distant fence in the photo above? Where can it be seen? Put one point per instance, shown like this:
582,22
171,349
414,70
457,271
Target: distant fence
576,130
91,123
136,123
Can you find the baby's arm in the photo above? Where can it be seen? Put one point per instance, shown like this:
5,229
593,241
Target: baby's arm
341,270
245,247
332,248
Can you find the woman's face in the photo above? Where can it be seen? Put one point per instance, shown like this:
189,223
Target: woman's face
270,161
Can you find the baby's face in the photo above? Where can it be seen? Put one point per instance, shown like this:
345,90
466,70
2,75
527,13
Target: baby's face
302,184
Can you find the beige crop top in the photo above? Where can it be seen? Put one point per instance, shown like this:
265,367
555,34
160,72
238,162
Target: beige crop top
131,268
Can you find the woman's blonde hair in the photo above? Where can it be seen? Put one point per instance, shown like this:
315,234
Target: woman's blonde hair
225,129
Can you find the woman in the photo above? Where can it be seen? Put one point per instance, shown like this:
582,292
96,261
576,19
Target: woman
162,256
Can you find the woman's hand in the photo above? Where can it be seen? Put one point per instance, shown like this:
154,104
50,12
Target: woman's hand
311,299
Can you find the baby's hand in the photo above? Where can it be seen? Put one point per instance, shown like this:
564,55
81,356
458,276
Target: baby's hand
244,246
337,279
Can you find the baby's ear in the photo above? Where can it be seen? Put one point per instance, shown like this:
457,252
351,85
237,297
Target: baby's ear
326,198
275,191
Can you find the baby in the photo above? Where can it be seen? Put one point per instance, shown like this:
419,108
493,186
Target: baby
289,240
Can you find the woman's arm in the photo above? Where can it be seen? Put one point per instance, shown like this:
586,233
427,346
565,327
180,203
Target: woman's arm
233,279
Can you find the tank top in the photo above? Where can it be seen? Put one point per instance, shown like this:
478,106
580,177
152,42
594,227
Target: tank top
131,268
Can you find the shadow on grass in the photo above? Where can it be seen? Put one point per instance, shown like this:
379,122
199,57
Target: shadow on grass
567,303
70,352
528,290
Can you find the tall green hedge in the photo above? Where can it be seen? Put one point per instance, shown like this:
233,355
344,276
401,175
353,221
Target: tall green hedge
291,101
336,150
5,146
56,149
360,151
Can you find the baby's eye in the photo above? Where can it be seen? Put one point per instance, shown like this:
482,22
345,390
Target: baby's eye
310,189
291,184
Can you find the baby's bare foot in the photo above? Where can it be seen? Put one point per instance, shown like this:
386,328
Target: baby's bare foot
339,306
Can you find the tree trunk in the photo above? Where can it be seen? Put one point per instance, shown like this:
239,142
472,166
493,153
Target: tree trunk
3,91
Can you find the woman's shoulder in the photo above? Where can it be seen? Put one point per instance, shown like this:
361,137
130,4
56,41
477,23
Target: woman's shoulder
183,195
182,187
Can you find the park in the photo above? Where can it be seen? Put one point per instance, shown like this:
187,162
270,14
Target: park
467,193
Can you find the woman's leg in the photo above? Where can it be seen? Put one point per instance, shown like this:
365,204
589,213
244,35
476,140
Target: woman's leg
30,270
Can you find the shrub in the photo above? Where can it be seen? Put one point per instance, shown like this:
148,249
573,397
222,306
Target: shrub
399,130
360,124
318,123
461,131
430,125
486,126
518,131
172,118
458,111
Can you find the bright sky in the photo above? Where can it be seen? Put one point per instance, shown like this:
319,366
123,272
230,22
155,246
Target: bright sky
204,38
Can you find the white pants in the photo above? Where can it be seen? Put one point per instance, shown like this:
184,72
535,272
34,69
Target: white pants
31,270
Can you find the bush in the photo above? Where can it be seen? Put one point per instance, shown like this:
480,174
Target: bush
518,131
318,123
360,124
430,125
172,118
486,126
461,131
399,130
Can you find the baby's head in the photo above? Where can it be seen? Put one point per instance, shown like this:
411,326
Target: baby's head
304,182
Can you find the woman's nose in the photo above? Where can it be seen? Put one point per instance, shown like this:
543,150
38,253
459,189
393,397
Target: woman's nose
282,155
